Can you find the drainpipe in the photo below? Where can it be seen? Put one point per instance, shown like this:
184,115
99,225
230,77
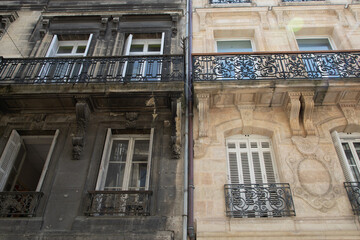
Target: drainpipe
189,104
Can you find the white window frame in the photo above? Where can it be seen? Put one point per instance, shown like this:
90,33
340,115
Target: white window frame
250,138
11,151
100,185
338,139
55,44
332,45
235,39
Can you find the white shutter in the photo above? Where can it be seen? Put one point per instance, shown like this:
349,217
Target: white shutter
245,168
343,160
104,161
258,176
88,44
47,161
147,184
269,168
233,168
162,43
8,157
127,52
53,47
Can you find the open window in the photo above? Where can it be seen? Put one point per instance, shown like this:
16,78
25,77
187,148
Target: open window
23,167
142,68
64,69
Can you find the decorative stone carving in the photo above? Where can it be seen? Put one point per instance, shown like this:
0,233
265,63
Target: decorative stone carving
264,20
175,19
115,25
45,23
176,126
312,171
307,99
104,22
342,18
350,115
82,119
203,107
131,118
292,108
247,116
6,19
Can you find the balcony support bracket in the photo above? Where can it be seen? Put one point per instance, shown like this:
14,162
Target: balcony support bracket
82,119
292,108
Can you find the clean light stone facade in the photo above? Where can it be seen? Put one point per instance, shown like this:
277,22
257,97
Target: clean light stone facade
297,115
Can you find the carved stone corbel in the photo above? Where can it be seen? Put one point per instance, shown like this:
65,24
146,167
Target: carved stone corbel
6,19
247,113
45,23
82,119
174,19
264,20
104,21
115,25
307,99
342,18
348,110
292,109
203,107
131,118
176,126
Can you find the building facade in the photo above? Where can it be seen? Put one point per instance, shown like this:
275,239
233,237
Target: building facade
91,119
276,119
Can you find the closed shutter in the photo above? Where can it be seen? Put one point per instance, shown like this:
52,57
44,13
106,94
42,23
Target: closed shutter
104,161
88,45
8,157
162,43
53,47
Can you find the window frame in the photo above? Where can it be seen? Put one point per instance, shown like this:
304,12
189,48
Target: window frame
332,45
251,40
103,170
248,138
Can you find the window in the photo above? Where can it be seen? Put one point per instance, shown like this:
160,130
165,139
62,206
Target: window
139,68
234,67
125,163
23,166
250,160
318,64
348,149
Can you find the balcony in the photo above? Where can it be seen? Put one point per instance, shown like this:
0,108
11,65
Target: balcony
229,1
162,68
119,203
259,200
19,204
302,0
353,191
274,66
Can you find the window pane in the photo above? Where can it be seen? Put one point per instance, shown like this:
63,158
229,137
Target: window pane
81,49
154,48
119,151
234,46
137,48
141,151
314,44
65,49
351,161
138,176
114,177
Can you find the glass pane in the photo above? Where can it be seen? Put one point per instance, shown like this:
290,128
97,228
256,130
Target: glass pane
65,49
351,161
231,145
138,176
154,47
119,151
234,46
314,44
137,48
114,177
141,151
81,49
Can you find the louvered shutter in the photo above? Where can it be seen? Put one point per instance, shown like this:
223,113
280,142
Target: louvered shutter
342,157
8,157
233,166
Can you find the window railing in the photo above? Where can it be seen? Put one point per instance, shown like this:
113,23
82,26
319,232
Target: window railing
92,69
302,0
119,203
19,204
353,192
259,200
229,1
270,66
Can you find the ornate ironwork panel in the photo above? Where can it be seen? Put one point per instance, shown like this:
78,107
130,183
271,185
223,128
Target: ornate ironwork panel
302,0
259,200
353,191
93,69
229,1
287,66
19,204
119,203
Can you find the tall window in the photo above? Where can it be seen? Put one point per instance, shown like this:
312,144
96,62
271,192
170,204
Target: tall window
250,160
348,149
126,163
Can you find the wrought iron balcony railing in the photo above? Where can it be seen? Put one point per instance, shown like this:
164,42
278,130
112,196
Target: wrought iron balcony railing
19,204
229,1
92,69
353,192
272,66
119,203
259,200
302,0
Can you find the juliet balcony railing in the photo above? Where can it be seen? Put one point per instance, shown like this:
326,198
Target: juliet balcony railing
353,192
163,68
302,0
19,204
259,200
280,65
118,203
229,1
